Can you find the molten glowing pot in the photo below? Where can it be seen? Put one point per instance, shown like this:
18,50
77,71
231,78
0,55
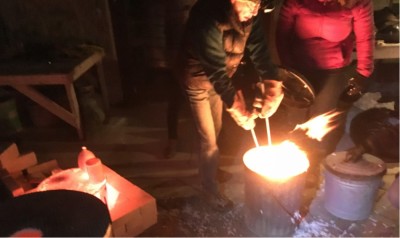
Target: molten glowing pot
275,178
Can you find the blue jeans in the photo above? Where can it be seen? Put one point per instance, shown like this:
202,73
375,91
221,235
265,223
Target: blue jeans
207,106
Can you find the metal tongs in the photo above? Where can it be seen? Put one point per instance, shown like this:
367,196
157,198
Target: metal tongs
268,134
262,91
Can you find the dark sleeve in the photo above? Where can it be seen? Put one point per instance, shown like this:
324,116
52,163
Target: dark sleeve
208,48
258,50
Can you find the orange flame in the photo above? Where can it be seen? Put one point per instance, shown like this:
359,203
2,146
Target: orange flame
319,126
278,162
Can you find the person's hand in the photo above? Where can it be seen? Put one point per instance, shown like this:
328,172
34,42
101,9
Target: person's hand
270,95
239,112
354,154
355,89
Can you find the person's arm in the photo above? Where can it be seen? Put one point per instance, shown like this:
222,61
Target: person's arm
270,86
284,31
259,52
208,48
363,27
364,31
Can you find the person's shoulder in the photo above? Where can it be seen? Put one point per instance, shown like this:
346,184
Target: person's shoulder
359,3
362,1
360,6
206,12
296,5
366,2
297,2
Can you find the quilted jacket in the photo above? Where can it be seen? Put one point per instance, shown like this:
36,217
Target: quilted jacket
313,35
214,44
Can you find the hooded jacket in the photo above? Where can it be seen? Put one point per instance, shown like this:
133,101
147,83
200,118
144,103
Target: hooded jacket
312,35
214,44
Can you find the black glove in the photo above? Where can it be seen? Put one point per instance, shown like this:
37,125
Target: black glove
269,96
355,153
239,112
355,88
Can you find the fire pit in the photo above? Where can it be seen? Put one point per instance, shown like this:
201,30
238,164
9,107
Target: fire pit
275,174
275,177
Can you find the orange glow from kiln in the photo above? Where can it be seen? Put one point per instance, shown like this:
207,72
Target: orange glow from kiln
277,162
319,126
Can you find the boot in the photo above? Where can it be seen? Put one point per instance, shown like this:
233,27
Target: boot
218,201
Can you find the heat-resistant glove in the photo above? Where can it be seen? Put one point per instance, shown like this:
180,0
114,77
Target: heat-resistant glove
355,89
239,112
269,95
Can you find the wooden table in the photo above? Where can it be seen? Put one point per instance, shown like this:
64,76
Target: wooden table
23,74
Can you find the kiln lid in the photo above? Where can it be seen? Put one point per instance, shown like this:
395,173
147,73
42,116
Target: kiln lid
368,166
298,91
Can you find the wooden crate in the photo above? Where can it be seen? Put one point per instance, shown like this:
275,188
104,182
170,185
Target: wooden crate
132,210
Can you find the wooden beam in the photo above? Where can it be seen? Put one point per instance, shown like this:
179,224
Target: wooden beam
45,102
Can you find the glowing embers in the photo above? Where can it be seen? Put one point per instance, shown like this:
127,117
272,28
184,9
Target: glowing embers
277,162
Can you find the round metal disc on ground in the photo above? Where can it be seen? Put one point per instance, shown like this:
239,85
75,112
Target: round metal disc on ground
61,213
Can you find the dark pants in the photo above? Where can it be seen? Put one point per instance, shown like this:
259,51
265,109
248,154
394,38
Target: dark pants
175,102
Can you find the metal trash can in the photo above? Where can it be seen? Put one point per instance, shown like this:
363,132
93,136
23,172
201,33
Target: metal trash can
272,206
268,205
351,187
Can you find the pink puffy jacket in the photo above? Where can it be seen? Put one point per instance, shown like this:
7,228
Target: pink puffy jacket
313,35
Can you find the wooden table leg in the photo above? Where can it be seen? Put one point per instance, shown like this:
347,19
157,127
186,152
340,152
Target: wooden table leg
103,88
74,106
72,118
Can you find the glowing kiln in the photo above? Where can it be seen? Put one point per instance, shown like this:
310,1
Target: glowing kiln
275,178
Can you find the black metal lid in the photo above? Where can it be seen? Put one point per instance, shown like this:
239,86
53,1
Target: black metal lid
60,213
299,93
368,167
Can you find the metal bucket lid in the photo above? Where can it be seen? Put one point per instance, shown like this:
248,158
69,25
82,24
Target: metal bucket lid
368,166
299,93
55,213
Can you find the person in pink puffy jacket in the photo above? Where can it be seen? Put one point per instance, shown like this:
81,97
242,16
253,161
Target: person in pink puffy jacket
318,38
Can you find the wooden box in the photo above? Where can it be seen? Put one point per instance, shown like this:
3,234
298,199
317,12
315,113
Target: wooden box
132,210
